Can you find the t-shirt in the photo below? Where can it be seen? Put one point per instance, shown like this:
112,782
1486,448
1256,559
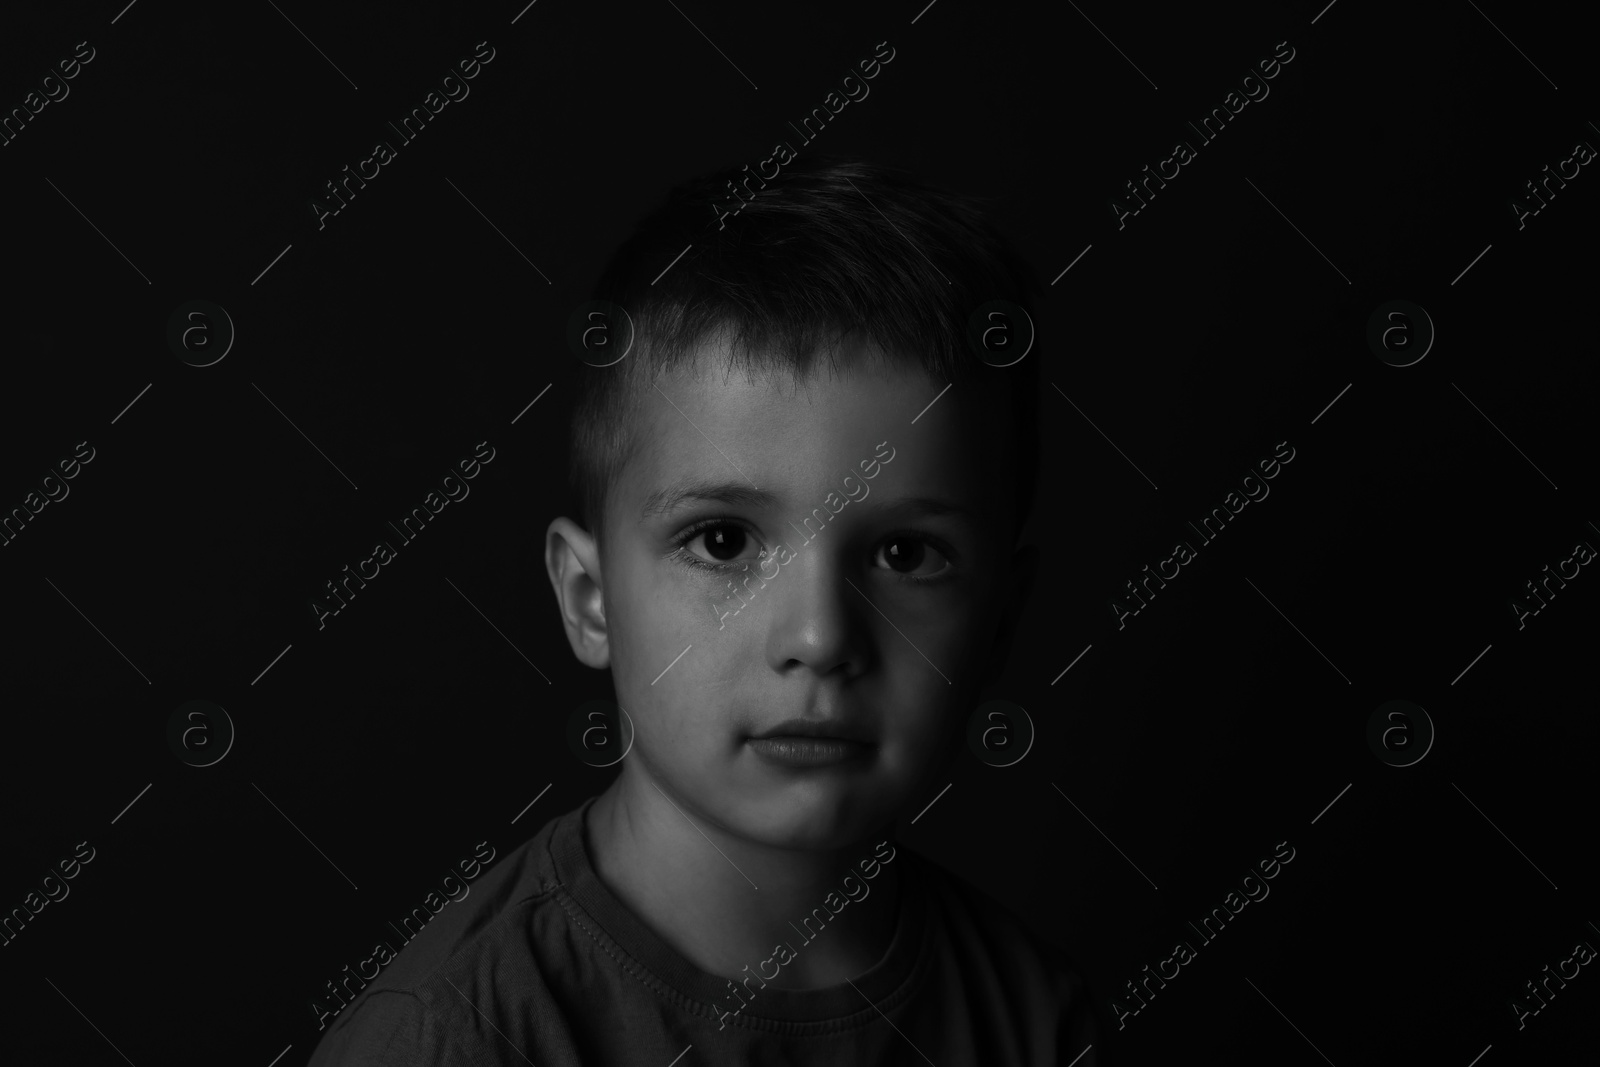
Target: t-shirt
541,964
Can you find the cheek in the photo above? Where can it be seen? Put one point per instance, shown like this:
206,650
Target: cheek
943,629
646,613
920,717
671,670
671,727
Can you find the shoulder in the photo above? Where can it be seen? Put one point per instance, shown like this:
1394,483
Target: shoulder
391,1028
976,921
401,1016
1002,963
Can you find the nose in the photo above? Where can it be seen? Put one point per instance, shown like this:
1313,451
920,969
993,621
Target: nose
817,618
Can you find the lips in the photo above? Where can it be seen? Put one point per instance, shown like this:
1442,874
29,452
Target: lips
821,729
798,752
800,743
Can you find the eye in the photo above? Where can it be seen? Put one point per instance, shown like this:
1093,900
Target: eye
912,557
724,542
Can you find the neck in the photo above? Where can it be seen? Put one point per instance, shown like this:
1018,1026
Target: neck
724,902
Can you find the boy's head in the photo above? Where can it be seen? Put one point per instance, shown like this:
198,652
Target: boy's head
788,514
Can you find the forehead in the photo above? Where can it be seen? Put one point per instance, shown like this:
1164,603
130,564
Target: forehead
798,437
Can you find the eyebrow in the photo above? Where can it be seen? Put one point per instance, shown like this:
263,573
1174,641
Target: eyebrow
738,494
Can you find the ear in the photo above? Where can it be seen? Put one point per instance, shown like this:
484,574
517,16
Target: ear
572,560
1024,566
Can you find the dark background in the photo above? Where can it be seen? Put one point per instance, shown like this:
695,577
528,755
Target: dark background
1220,721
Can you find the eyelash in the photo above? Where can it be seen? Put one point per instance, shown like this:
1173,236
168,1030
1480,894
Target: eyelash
681,553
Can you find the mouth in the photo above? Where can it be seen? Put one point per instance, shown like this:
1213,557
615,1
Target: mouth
818,729
791,751
813,743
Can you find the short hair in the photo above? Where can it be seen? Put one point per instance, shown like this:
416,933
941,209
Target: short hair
825,250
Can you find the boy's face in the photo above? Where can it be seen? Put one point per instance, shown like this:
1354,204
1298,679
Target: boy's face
837,628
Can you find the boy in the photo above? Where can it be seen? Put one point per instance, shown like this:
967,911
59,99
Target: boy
799,561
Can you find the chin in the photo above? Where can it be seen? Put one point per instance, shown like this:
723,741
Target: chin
816,823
